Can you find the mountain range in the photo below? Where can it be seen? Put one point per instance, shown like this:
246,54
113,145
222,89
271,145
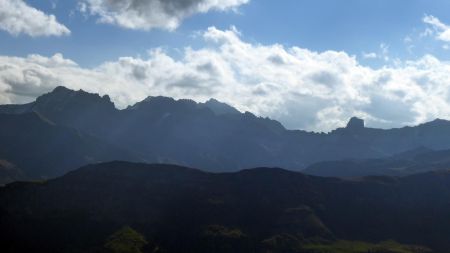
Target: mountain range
65,129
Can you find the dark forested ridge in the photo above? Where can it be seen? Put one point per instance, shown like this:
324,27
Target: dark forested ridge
165,208
211,136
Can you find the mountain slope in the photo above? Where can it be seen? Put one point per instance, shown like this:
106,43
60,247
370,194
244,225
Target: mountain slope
406,163
10,173
214,136
165,130
43,150
185,210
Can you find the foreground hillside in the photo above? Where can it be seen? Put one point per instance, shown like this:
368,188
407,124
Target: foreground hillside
164,208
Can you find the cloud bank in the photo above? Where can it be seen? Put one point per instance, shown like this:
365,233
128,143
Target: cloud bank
149,14
301,88
16,17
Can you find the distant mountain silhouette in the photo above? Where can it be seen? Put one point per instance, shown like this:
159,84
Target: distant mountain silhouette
179,209
214,136
411,162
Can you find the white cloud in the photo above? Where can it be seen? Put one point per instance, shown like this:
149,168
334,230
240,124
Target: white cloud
371,55
409,43
54,3
441,30
408,40
16,17
301,88
384,52
149,14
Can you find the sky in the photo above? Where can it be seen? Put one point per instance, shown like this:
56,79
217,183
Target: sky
309,64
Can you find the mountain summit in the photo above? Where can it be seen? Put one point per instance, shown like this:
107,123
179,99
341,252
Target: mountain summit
220,108
355,123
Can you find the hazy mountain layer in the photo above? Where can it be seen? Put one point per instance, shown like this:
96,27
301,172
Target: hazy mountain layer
407,163
42,149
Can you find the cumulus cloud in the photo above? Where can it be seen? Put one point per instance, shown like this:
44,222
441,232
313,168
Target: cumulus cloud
16,17
301,88
149,14
441,30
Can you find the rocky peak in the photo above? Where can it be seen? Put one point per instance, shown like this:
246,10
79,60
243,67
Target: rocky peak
61,97
355,123
220,108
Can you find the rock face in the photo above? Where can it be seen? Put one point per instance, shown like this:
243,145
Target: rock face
355,124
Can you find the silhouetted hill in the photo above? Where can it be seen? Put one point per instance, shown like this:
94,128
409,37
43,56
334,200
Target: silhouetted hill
214,136
179,209
42,149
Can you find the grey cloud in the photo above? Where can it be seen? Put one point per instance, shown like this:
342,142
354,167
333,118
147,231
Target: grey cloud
276,59
149,14
140,72
384,78
208,67
390,109
326,78
264,89
299,111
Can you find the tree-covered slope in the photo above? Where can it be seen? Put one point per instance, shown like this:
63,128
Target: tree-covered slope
261,210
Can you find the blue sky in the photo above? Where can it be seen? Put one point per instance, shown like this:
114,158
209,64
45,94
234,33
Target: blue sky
309,64
355,27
